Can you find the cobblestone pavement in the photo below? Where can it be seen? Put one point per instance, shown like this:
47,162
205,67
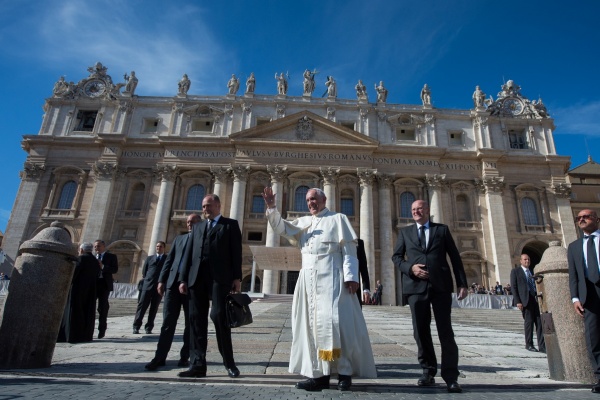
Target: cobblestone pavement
493,364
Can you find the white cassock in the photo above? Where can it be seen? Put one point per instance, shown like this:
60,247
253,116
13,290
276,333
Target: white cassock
328,328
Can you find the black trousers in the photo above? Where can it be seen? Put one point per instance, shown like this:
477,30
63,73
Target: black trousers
531,315
174,301
102,294
592,325
420,307
148,298
199,297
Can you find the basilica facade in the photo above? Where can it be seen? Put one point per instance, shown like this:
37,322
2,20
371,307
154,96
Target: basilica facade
127,169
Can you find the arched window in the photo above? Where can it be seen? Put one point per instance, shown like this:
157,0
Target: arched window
529,211
463,211
65,202
406,200
258,204
195,195
136,199
300,199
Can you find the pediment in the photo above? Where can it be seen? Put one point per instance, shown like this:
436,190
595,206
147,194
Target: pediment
303,128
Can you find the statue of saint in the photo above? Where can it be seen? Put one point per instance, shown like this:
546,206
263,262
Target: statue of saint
331,87
309,82
478,97
184,85
361,90
250,83
282,84
131,83
382,92
426,95
233,85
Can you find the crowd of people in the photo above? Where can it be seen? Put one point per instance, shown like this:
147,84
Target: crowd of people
329,333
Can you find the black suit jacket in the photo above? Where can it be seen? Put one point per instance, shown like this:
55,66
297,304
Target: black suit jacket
169,273
577,268
151,271
520,289
408,252
363,268
111,266
225,255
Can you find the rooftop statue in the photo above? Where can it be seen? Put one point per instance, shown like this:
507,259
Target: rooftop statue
184,85
233,85
282,84
309,82
250,83
130,83
426,95
361,90
382,92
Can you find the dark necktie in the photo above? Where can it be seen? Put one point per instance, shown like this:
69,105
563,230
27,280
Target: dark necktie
422,237
592,260
158,257
531,283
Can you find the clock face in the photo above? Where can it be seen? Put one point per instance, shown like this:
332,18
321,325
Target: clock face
94,88
513,106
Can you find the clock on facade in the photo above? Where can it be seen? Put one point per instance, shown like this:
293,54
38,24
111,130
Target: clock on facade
513,106
94,88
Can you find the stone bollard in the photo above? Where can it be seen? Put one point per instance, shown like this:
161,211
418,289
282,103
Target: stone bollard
566,349
31,316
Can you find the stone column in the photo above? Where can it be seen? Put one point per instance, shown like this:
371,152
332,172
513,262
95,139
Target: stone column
498,232
562,193
19,218
434,187
240,175
330,175
367,230
104,175
167,173
221,175
386,239
31,316
270,283
568,359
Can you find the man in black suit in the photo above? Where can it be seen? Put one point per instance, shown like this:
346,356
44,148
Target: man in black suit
584,284
149,295
420,254
524,298
168,284
104,285
212,269
363,271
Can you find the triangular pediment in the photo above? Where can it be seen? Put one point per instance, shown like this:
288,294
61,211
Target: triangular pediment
304,128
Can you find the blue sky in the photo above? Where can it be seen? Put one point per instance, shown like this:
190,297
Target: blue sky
550,48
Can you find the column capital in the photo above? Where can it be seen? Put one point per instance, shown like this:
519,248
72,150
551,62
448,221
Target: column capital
435,181
278,172
32,171
221,173
366,176
166,172
330,174
562,190
107,171
490,184
385,180
240,172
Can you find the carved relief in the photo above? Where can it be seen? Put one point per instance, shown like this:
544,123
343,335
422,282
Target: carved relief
166,172
366,176
330,174
220,173
385,180
278,172
562,190
32,171
305,129
103,170
435,181
240,172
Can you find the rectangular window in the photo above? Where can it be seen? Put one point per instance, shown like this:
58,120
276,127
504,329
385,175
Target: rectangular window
518,139
347,207
86,121
255,236
405,134
203,125
258,204
455,138
347,124
150,125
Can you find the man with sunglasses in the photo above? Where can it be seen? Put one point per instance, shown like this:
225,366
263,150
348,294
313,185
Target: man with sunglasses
584,283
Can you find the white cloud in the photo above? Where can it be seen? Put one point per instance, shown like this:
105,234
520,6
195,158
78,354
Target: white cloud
579,119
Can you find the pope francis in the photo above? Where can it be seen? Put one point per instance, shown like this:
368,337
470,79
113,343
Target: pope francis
329,332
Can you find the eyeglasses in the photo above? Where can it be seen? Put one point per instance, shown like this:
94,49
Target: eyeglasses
584,216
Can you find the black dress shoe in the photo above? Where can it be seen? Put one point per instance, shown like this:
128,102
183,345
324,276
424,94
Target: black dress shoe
136,331
233,372
531,348
101,334
154,364
148,331
454,387
426,380
183,363
314,384
596,387
192,373
344,382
